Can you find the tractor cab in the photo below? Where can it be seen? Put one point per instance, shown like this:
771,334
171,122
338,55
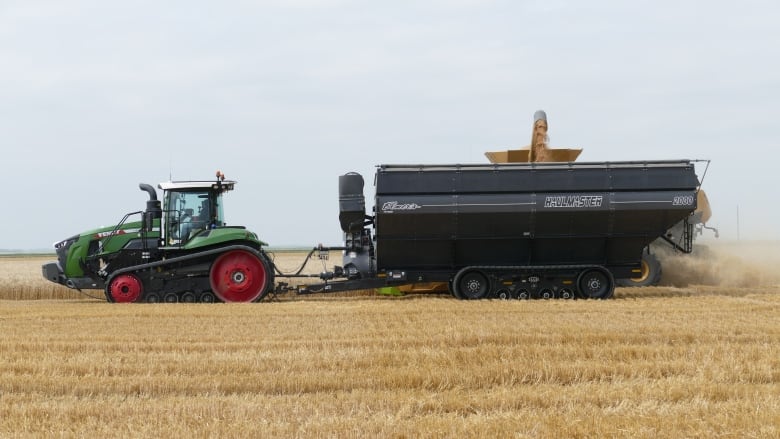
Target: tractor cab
192,207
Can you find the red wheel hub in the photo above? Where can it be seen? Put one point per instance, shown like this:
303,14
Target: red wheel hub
125,288
238,276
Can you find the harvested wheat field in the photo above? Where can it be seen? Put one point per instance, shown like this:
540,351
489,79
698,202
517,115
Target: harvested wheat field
699,360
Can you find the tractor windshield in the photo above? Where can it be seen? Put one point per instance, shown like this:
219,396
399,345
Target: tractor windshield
190,211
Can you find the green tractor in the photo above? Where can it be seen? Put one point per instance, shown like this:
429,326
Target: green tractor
180,251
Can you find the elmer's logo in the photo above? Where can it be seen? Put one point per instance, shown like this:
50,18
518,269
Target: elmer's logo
392,206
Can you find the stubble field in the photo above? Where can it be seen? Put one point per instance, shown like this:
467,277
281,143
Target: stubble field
699,357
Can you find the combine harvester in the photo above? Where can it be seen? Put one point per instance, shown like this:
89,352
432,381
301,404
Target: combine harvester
515,230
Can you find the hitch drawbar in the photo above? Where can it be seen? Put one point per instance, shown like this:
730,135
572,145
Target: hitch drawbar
323,254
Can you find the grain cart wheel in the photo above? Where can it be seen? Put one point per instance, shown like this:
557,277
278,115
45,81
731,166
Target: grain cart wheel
239,276
596,283
125,288
189,297
152,298
649,275
546,294
503,294
522,294
207,297
472,285
565,294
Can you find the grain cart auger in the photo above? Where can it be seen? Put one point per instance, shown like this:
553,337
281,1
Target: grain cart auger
180,250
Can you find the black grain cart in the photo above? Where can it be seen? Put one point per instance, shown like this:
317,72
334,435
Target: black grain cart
525,230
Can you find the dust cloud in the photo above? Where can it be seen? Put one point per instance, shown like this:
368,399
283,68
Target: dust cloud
731,264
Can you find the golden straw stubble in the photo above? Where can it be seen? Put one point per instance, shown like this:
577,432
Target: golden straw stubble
699,362
694,361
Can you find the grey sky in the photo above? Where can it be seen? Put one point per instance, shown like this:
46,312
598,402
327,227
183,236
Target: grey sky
284,96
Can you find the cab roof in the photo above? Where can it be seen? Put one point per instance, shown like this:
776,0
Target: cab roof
227,185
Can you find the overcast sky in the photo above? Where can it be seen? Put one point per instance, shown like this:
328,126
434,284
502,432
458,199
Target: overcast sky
285,96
